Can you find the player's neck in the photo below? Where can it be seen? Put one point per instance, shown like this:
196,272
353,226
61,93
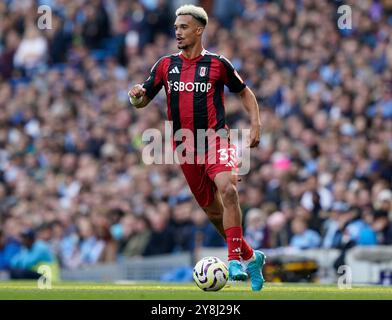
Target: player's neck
194,52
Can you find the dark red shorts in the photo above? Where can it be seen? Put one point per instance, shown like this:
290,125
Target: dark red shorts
200,174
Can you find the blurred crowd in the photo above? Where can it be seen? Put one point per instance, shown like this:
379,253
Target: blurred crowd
72,181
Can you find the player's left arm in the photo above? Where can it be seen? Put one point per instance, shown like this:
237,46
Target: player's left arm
249,102
235,84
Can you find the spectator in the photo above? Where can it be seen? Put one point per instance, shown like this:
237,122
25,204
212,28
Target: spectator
226,11
162,236
9,247
382,227
383,202
35,253
367,235
183,225
303,238
96,26
12,41
279,232
256,232
331,225
32,50
123,231
140,238
204,233
350,229
316,197
109,252
90,247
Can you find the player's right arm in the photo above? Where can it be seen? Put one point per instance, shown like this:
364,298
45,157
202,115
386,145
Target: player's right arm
141,94
137,96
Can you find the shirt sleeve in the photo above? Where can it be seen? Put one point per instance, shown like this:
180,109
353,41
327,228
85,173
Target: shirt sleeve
230,76
154,82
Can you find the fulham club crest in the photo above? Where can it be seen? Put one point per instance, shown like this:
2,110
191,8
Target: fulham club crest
203,71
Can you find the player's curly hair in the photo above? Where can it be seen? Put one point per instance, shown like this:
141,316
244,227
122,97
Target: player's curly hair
197,12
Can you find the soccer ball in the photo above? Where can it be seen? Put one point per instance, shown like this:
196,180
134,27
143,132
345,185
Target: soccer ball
210,274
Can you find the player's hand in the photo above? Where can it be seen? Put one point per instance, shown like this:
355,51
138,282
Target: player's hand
255,133
137,91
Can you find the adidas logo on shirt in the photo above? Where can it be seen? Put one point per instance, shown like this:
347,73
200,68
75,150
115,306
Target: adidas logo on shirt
174,70
230,164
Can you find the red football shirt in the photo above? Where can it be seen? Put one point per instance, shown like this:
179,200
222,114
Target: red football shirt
194,89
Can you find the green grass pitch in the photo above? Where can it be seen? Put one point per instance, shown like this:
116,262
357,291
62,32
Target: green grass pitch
169,291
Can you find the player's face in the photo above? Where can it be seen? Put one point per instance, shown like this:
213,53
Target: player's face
188,31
